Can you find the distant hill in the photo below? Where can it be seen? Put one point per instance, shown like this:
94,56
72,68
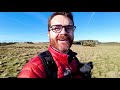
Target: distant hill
94,42
87,42
79,42
111,43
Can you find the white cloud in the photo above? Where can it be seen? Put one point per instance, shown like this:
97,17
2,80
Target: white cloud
39,16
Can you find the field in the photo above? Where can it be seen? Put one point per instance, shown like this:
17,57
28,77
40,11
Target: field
105,58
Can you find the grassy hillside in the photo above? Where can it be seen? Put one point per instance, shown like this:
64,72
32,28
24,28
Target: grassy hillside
106,58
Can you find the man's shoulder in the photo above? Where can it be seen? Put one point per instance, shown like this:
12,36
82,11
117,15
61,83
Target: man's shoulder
36,60
32,67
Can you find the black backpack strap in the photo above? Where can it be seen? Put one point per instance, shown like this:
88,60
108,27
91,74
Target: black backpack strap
49,63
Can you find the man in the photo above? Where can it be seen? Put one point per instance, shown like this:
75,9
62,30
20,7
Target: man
61,35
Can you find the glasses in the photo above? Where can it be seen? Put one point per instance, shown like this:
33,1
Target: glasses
58,28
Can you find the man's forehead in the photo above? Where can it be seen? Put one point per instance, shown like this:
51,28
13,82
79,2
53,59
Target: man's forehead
60,19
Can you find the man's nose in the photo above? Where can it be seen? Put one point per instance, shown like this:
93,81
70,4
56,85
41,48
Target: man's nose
63,31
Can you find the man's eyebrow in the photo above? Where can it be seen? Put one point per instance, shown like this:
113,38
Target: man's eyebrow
56,25
62,25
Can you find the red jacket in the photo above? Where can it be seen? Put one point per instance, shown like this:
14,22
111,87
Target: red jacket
35,68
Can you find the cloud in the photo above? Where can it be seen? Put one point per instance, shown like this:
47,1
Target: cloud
40,16
15,20
91,18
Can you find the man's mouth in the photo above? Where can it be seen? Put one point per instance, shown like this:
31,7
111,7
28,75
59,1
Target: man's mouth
63,39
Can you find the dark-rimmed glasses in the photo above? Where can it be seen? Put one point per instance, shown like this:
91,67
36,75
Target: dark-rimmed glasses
58,28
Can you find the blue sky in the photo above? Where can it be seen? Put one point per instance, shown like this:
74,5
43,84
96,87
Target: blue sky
32,26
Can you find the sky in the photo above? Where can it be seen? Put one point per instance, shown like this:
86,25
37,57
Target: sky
33,26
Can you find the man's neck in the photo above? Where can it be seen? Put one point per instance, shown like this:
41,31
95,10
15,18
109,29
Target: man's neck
59,50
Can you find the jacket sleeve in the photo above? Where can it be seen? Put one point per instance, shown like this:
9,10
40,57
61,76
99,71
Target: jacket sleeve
33,69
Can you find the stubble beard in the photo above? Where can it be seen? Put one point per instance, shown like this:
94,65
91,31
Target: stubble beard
62,43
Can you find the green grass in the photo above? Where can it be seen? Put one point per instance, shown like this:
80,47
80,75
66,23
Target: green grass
105,58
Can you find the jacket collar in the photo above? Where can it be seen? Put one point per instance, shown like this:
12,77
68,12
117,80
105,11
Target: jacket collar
62,57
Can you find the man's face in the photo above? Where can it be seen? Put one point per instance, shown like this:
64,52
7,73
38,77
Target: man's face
63,40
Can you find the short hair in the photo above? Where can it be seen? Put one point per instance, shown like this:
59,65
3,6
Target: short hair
67,14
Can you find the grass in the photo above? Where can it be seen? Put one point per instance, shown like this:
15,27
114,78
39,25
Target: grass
105,58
